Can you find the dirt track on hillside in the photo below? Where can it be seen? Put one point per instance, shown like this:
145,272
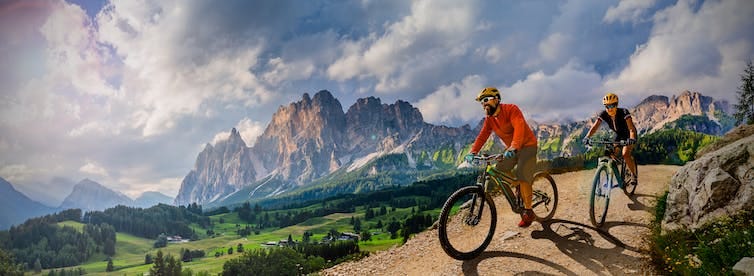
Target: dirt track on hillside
566,245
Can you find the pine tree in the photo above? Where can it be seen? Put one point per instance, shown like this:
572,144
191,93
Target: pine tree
110,266
173,267
745,107
37,266
8,266
159,265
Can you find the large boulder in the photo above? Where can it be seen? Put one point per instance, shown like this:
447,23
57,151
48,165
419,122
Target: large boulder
718,184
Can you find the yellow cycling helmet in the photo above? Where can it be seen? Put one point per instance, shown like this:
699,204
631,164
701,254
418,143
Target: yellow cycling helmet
610,98
488,92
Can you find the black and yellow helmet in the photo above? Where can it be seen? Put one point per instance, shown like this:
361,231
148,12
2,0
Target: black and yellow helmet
610,98
488,92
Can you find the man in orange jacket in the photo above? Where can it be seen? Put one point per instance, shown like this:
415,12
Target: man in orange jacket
508,123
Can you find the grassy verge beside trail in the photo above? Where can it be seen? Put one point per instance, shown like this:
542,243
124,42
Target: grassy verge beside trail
712,249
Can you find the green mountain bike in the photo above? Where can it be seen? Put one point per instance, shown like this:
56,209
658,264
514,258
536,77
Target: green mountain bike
611,173
468,218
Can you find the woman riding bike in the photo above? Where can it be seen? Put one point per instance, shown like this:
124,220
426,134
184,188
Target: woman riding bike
619,120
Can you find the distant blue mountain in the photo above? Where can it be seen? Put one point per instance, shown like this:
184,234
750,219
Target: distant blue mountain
15,207
149,199
88,195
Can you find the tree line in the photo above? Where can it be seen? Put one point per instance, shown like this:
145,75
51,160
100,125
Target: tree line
40,243
151,222
302,259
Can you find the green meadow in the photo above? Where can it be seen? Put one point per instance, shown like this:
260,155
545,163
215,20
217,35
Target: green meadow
131,250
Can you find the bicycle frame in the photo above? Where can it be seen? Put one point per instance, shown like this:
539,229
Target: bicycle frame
504,181
613,161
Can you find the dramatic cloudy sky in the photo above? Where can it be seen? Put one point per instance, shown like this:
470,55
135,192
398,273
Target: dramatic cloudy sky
127,92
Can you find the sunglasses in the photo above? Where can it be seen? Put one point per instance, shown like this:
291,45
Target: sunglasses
487,99
611,106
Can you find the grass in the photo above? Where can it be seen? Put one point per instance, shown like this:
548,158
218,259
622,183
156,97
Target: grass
131,250
712,249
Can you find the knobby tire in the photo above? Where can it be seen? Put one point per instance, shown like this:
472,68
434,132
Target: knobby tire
454,226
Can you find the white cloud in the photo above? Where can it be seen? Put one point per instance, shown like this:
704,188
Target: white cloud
282,71
93,168
16,172
172,70
628,11
555,46
542,97
703,50
134,187
248,129
454,103
74,57
411,45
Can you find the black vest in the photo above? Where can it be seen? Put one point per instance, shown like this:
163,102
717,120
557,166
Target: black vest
619,125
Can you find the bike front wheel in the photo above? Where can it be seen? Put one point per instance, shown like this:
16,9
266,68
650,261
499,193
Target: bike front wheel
544,196
467,223
600,196
629,187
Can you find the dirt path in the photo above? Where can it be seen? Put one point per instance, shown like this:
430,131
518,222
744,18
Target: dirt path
566,245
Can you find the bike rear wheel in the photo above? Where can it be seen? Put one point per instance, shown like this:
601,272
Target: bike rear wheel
600,196
467,223
545,196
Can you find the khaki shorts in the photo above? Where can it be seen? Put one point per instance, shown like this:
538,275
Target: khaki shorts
526,159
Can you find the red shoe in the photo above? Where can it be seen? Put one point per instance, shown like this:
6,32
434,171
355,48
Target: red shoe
527,217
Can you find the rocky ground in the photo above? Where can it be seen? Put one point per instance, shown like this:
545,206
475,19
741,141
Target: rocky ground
566,245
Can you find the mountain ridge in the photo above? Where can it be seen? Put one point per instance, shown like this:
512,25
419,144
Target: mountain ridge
17,207
313,138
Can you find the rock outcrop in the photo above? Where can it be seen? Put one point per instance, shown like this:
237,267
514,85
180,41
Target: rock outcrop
720,183
219,170
654,112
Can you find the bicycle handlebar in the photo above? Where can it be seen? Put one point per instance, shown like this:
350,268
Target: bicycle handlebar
485,157
605,142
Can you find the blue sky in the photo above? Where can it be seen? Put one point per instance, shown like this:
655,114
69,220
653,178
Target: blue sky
127,92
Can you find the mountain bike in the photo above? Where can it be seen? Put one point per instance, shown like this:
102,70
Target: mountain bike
468,218
611,173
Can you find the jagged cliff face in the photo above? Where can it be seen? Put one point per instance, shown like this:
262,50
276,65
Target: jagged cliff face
219,170
655,112
312,138
304,139
369,122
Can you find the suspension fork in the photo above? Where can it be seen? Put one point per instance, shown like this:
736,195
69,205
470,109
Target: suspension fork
474,214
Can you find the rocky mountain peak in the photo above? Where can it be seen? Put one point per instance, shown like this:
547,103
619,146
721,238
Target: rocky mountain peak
219,170
303,136
655,99
369,121
656,111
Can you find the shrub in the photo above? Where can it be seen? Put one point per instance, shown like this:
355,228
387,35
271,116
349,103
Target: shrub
712,249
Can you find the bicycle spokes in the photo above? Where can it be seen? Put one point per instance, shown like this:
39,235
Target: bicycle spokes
467,223
600,196
544,196
540,198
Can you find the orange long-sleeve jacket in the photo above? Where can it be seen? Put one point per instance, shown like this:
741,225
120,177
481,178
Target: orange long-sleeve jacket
509,124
